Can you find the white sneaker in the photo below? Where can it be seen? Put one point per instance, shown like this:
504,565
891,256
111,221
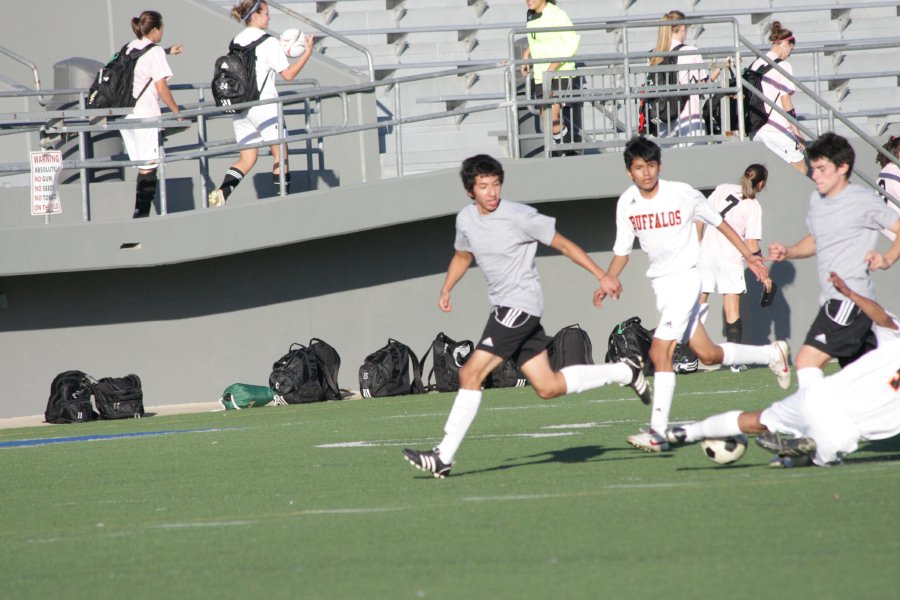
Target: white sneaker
216,198
780,365
738,368
648,441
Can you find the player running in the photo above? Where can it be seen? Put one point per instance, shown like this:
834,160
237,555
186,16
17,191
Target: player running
503,236
826,419
843,222
661,214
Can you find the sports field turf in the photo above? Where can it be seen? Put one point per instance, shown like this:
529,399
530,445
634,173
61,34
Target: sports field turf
546,501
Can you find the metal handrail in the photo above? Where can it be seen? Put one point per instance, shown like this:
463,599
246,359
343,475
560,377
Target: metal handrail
21,59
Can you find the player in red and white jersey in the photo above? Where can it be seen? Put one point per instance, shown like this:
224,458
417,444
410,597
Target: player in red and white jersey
661,215
826,420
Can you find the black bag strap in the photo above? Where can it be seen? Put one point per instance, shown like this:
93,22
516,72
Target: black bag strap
134,56
417,387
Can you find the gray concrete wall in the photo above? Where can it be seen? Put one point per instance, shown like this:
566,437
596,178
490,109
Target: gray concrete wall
210,300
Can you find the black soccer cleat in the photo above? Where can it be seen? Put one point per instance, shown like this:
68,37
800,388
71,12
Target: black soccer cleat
638,382
429,460
676,435
794,447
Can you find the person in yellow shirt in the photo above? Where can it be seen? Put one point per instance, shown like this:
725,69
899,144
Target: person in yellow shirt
550,44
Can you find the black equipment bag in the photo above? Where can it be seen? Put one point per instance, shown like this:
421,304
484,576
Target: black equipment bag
629,339
386,372
295,376
655,111
329,363
119,397
756,111
508,374
234,74
570,346
112,87
712,110
70,399
447,358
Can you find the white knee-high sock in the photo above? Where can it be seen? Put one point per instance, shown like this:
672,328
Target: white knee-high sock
716,426
742,354
580,378
465,407
663,392
808,376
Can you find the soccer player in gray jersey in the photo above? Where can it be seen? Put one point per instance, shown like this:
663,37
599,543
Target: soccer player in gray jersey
843,222
502,236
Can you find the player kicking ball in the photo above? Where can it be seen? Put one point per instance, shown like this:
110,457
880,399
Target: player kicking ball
502,236
826,420
661,214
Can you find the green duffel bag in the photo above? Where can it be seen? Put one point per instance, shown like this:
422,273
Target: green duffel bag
243,395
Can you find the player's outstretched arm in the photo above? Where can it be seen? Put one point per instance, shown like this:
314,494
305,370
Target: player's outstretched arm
877,260
802,249
872,309
459,264
754,262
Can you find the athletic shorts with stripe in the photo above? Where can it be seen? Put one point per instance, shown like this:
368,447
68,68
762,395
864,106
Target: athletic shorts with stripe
840,330
513,333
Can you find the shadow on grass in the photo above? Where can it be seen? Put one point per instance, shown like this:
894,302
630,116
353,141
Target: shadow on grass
576,455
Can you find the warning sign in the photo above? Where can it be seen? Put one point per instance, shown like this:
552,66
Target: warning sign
45,169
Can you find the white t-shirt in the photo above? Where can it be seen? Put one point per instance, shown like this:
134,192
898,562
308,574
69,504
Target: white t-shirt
270,60
889,180
152,67
744,216
664,225
775,85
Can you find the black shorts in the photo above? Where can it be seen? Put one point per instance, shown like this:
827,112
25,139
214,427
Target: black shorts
841,330
560,86
512,333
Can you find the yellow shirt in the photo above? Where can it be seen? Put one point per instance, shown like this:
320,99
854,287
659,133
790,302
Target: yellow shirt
551,44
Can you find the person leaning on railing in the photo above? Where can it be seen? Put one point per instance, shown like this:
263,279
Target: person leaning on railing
672,38
550,44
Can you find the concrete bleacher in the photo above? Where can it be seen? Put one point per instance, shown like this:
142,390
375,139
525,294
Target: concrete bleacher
415,36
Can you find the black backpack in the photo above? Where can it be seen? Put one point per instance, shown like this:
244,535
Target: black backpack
508,374
385,372
570,346
70,398
629,339
234,75
112,87
119,397
447,358
295,376
655,111
329,363
756,111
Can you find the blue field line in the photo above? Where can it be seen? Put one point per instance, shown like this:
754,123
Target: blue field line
104,436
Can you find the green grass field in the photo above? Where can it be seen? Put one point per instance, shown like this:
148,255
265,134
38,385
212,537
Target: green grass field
546,501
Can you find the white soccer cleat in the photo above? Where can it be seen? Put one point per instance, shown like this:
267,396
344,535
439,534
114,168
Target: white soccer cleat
648,441
780,365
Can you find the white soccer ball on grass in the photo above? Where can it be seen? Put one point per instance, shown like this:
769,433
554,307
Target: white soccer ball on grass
294,42
724,451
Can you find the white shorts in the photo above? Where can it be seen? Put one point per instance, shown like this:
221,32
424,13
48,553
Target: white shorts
721,276
259,124
677,300
780,143
142,144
